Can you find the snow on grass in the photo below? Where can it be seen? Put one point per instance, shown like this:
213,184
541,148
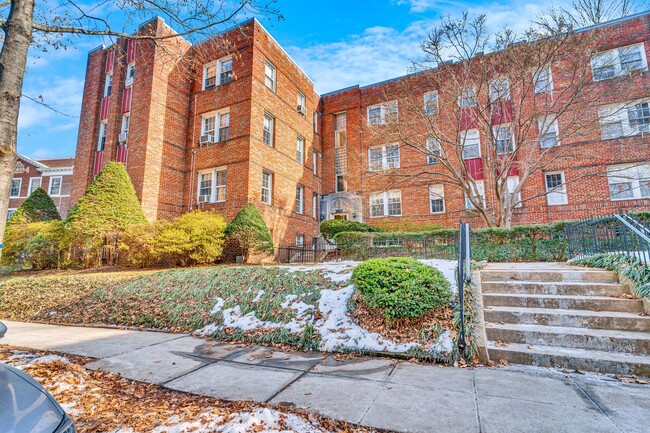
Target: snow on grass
218,306
21,359
259,295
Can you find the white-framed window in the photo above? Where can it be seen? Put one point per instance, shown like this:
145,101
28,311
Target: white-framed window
433,150
619,61
315,121
209,75
437,199
217,72
548,132
10,212
225,70
512,182
215,126
503,139
314,162
108,85
314,205
431,103
629,181
270,75
383,157
267,187
499,89
34,184
269,130
470,141
480,197
556,193
300,199
55,185
300,240
386,203
124,127
301,102
542,80
224,126
16,184
380,114
300,150
101,143
212,185
621,120
130,73
467,98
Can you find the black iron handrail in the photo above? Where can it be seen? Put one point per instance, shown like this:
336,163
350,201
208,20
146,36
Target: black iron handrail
463,277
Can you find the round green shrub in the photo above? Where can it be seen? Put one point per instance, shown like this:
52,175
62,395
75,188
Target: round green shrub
330,228
401,287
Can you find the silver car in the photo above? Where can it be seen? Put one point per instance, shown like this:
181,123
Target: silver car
25,406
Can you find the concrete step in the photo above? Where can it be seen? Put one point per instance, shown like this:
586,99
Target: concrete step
571,358
566,302
550,275
581,338
569,318
556,288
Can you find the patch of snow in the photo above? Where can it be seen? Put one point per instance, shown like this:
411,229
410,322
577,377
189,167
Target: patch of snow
258,296
269,421
448,269
22,359
300,307
337,272
217,306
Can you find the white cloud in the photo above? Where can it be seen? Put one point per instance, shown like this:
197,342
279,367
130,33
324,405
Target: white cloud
61,93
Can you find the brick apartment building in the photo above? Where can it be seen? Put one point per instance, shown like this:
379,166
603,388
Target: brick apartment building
218,125
53,175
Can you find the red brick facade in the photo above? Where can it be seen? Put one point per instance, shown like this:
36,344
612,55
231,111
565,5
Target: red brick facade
53,175
206,141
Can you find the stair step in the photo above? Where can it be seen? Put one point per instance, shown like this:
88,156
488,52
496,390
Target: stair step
569,318
571,358
582,338
566,302
554,288
553,275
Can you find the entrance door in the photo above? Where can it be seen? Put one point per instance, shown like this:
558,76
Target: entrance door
340,216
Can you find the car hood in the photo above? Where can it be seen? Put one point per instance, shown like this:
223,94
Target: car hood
25,405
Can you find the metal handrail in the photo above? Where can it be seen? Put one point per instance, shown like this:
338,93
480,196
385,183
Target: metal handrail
463,277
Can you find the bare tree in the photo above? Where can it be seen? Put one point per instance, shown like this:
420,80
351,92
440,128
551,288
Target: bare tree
488,121
583,13
57,23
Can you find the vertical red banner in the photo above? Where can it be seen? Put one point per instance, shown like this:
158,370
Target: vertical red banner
99,162
131,47
122,153
475,168
110,59
103,114
126,99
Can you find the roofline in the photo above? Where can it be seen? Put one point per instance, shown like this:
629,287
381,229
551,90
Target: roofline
614,21
56,159
32,161
354,86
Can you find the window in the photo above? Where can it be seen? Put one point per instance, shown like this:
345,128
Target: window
101,144
108,85
15,187
216,73
314,205
467,98
619,61
381,114
267,187
269,75
471,143
433,150
340,183
224,126
315,120
302,104
480,198
437,199
126,120
34,184
209,76
548,132
431,103
130,73
269,126
384,157
300,150
314,162
499,90
388,203
10,212
215,126
300,240
212,185
55,185
512,183
504,141
629,181
542,80
555,188
208,125
300,199
621,120
225,68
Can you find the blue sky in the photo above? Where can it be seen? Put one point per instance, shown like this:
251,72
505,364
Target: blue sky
338,43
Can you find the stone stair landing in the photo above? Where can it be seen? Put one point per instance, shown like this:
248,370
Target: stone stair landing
553,314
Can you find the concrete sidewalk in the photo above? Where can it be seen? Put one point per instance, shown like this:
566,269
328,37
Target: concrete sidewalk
376,392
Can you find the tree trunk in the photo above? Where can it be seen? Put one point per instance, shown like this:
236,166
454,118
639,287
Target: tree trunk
13,58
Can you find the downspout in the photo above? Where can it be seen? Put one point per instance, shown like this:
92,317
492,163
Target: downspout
192,161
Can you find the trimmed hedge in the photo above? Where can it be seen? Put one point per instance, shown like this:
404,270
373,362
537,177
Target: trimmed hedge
39,206
401,287
331,228
250,232
520,243
628,266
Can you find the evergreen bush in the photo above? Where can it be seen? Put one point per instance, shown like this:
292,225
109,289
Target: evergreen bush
39,206
250,232
330,228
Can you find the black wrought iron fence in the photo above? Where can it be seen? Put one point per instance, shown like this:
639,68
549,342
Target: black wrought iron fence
619,233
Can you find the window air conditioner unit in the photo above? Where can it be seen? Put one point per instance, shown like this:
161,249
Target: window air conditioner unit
206,139
122,137
302,110
203,199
